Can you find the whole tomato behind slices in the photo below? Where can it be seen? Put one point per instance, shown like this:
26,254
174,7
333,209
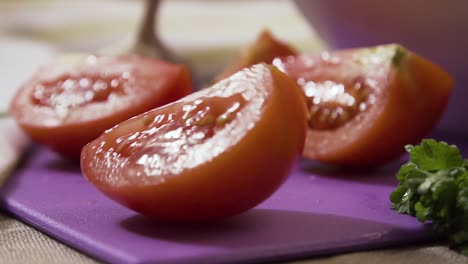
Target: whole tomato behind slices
264,49
366,104
71,102
207,156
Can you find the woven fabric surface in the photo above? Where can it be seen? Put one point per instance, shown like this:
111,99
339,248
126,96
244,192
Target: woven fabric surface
20,243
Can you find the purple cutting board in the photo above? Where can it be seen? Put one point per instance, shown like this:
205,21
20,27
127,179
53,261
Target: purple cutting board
318,211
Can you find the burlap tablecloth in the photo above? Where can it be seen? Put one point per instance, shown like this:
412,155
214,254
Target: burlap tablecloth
37,29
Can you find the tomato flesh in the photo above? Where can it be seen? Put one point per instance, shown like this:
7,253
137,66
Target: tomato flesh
69,92
193,125
366,104
207,156
68,104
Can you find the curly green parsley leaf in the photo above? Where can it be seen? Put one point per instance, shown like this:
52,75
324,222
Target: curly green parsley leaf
434,187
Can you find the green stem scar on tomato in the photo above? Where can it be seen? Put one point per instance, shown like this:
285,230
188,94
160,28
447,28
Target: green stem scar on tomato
212,154
68,104
366,104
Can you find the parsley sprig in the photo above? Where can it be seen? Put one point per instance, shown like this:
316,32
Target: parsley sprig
434,188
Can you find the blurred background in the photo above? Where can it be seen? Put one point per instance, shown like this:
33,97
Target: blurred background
207,33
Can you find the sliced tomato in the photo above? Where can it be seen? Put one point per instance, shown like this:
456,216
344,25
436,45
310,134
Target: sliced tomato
366,104
71,102
264,49
207,156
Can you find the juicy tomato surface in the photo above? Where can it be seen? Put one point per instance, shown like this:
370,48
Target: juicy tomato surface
366,104
264,49
69,103
215,153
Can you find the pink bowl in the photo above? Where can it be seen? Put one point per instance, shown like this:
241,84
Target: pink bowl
435,29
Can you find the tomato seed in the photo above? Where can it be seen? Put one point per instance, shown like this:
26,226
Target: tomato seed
332,104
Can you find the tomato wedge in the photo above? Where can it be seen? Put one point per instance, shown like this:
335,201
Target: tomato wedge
69,103
366,104
264,49
207,156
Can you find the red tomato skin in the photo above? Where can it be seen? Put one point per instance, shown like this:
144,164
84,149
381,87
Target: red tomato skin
67,138
410,101
264,49
238,179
